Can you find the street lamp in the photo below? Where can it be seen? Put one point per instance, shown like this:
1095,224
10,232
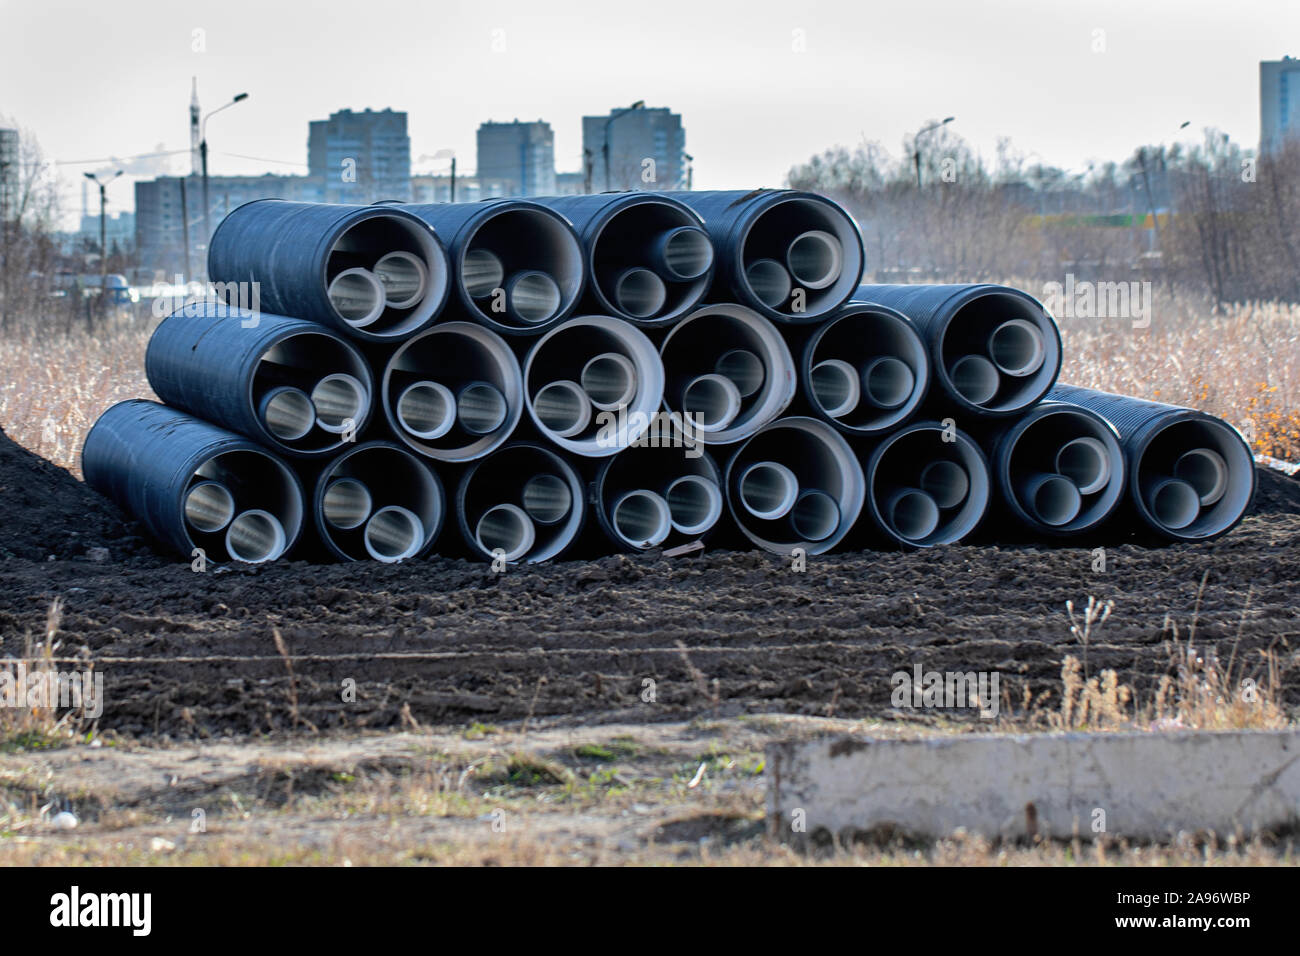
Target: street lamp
203,154
916,145
103,234
638,105
444,154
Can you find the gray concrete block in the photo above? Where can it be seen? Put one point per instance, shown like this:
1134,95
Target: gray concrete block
1142,786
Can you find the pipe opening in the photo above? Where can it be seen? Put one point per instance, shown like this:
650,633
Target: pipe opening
481,408
1017,348
609,380
684,253
426,409
393,534
640,293
255,536
563,408
888,382
975,379
642,518
532,296
340,402
209,506
347,504
695,504
815,516
1052,499
1206,471
713,401
744,368
768,490
288,413
1174,503
547,498
505,528
769,281
482,272
913,513
815,258
404,277
946,482
835,386
1086,462
357,297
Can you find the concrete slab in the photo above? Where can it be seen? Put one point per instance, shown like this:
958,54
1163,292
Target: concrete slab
1141,786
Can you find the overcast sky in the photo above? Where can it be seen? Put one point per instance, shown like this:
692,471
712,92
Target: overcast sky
760,85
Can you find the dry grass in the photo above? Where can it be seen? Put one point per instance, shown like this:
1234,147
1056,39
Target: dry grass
56,384
1242,365
36,722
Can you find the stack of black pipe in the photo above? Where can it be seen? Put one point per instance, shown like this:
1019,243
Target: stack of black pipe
516,380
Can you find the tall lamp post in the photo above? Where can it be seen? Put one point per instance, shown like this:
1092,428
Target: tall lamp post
203,155
604,148
916,145
444,154
103,234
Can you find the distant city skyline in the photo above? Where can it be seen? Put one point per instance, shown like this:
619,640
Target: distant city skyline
762,86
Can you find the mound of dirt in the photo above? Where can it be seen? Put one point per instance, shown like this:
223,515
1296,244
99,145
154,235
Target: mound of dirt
640,638
49,512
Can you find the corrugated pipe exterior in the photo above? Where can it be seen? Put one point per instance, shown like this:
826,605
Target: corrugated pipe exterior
866,370
293,385
649,258
453,393
192,484
375,273
790,256
795,484
1191,476
728,369
994,351
378,502
657,497
927,484
1059,470
518,267
523,502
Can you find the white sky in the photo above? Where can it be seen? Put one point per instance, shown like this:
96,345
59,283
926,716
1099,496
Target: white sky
113,78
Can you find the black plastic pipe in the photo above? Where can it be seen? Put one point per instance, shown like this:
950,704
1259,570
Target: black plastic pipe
1058,470
522,237
429,375
643,233
866,370
296,251
378,502
927,484
602,370
994,351
795,484
192,484
1191,476
790,256
649,497
523,502
204,361
729,369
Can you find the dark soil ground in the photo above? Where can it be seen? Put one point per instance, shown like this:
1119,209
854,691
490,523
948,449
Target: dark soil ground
643,638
